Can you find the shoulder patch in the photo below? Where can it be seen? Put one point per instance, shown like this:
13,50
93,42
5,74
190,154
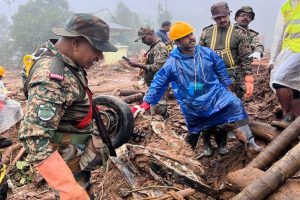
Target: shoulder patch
208,27
57,69
257,33
46,112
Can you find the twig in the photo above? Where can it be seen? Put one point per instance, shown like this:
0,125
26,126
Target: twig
152,187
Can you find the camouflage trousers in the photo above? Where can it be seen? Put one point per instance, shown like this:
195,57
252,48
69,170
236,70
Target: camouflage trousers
237,77
82,159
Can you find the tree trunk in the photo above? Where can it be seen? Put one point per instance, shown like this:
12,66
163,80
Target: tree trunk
133,98
264,131
277,146
273,177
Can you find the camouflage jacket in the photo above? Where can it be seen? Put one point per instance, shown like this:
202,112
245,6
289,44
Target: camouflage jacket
239,46
53,104
157,55
255,43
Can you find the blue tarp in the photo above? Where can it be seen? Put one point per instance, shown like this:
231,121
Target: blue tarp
199,83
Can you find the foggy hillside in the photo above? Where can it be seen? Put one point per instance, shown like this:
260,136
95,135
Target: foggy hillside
196,12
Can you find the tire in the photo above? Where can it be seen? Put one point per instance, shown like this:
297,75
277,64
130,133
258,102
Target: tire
117,118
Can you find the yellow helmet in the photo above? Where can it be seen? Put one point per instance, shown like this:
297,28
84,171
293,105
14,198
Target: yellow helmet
179,30
2,71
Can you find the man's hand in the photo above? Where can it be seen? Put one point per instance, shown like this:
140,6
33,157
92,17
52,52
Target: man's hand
249,83
270,67
255,55
137,65
140,109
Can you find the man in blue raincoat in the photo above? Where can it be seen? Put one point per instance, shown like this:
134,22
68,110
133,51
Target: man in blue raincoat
200,84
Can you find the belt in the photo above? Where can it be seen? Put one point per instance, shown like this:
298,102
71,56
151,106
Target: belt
68,138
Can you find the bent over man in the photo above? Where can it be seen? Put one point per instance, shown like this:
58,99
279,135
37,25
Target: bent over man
57,127
200,84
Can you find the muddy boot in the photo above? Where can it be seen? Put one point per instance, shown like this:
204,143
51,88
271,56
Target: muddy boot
221,140
245,135
231,136
285,122
208,150
192,139
5,142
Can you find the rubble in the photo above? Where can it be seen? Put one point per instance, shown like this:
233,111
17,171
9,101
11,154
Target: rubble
161,165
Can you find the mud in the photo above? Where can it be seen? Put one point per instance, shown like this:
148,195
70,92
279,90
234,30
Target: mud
110,183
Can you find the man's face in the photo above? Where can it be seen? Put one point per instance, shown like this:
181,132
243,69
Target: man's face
85,55
188,42
167,28
222,21
147,39
243,19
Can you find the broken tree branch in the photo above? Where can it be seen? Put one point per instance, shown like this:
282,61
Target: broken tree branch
277,146
273,178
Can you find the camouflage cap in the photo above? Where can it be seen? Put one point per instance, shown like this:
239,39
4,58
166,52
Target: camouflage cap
95,30
246,9
220,9
143,32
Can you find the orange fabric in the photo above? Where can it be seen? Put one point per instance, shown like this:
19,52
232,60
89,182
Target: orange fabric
88,118
249,84
59,176
1,105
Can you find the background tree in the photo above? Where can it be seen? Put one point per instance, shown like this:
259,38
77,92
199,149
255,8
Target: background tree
163,14
32,24
5,43
124,16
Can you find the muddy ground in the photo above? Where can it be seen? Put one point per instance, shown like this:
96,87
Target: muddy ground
110,183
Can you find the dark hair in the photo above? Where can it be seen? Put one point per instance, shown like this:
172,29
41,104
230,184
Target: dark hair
166,23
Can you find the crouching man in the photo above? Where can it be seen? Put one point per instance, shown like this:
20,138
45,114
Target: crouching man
200,84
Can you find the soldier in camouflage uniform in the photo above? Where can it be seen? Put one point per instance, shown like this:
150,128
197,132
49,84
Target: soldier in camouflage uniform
57,127
157,55
244,16
230,42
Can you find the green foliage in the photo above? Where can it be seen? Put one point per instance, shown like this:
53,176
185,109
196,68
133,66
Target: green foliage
33,22
163,14
24,173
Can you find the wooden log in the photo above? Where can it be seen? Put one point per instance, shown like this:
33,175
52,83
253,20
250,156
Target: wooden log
273,178
244,177
264,131
277,146
133,98
181,193
130,92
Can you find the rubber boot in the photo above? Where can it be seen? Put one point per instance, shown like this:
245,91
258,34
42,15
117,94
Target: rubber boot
5,142
192,139
221,140
245,135
208,150
284,123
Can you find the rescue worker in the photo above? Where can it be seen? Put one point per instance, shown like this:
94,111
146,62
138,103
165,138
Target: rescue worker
229,41
163,32
244,16
2,87
200,84
57,128
285,57
10,110
156,57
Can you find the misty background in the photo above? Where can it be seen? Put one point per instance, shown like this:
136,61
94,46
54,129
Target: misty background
26,24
